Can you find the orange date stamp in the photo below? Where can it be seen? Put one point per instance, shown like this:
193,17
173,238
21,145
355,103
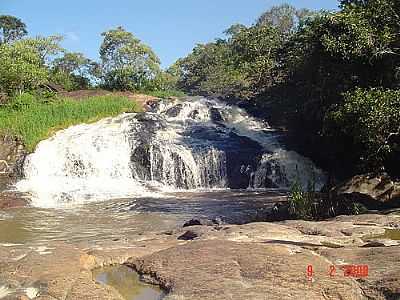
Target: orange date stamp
355,271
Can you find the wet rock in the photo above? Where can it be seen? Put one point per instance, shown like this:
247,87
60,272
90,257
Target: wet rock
10,200
373,244
12,156
373,191
202,221
216,116
174,111
188,236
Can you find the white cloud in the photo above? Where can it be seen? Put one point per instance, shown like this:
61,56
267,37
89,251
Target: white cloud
72,36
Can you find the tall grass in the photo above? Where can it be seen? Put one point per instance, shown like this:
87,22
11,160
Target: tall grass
35,119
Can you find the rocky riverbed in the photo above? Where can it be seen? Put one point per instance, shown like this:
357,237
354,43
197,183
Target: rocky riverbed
251,261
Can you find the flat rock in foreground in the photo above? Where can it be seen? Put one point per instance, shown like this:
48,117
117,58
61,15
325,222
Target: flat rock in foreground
252,261
218,269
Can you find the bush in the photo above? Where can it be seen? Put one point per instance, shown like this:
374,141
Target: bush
369,119
301,203
21,68
310,205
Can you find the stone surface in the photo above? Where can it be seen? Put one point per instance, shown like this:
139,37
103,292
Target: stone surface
375,192
252,261
235,270
11,200
202,221
12,155
56,271
383,281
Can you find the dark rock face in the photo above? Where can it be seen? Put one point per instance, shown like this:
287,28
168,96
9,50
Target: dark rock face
12,156
188,236
242,153
174,111
375,192
202,221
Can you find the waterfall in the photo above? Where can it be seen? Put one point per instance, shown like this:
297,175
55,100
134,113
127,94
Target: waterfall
192,144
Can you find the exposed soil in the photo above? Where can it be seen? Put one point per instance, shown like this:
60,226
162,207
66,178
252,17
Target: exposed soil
141,99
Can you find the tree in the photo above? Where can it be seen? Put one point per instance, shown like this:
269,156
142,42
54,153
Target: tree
11,29
370,118
72,62
21,68
127,63
212,69
285,18
72,71
256,48
47,47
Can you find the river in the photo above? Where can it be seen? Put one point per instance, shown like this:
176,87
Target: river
142,172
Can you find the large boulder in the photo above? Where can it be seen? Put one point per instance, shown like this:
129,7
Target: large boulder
373,191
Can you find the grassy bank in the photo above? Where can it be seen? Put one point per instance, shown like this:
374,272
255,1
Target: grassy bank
36,119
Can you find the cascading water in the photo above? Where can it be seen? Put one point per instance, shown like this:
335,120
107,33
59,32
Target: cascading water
192,144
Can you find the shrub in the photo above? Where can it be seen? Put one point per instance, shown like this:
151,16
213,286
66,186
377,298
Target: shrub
21,68
370,119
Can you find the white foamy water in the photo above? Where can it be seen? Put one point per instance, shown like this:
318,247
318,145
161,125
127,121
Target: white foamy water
180,146
83,163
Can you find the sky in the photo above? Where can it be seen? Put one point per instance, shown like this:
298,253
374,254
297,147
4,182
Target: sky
171,27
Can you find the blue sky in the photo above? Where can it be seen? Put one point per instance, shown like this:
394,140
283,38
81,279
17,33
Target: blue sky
171,27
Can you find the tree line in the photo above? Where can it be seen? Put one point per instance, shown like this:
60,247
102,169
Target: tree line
27,63
331,77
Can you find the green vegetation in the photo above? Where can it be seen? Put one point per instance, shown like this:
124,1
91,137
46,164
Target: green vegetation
311,205
11,29
32,67
72,71
35,119
126,64
332,78
372,118
21,68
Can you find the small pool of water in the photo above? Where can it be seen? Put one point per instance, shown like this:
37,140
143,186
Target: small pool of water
390,234
128,284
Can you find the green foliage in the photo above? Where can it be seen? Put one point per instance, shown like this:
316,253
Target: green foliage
256,49
72,71
370,118
310,205
71,63
127,63
11,29
301,203
21,68
212,69
47,47
36,119
245,64
285,18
